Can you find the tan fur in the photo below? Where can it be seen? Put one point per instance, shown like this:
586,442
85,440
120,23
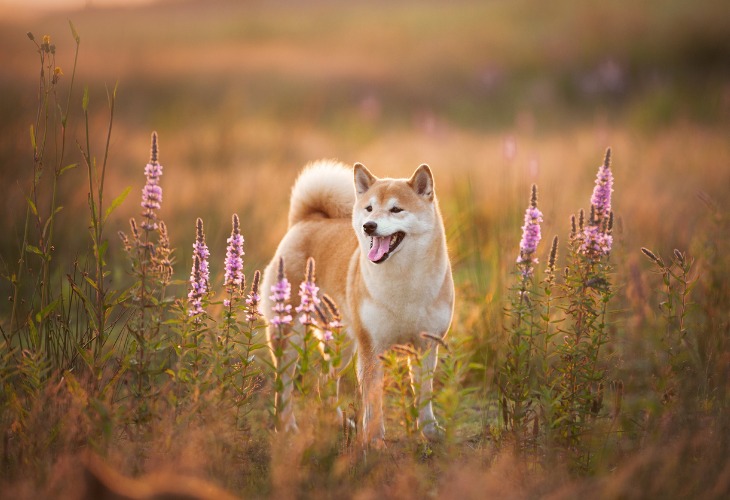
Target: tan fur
321,195
409,292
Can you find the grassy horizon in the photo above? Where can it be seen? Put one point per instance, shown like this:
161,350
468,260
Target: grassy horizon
494,96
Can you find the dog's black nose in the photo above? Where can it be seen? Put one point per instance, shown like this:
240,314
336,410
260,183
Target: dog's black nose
370,227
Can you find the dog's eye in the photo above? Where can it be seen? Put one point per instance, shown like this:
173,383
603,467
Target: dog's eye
369,208
396,210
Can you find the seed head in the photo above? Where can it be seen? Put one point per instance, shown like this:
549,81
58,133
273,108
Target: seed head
533,196
553,256
153,148
573,229
678,255
252,301
125,241
163,253
581,220
135,230
331,307
652,256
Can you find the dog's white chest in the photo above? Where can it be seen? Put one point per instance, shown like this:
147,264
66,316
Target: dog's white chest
398,315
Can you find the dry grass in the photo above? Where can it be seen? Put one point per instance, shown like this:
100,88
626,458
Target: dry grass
244,94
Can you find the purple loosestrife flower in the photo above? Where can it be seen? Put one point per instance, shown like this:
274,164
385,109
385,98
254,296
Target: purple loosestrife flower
201,250
308,293
198,289
253,299
280,294
199,275
595,238
595,242
233,280
530,234
601,198
152,191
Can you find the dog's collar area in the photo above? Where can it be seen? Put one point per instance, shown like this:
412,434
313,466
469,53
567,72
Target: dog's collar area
381,247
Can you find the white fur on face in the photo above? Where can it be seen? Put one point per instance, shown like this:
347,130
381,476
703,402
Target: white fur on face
417,221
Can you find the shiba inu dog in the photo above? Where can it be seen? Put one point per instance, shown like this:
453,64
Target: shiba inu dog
381,254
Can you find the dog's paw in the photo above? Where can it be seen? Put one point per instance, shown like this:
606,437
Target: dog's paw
433,431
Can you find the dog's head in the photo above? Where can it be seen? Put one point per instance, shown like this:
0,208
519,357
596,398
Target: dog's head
393,216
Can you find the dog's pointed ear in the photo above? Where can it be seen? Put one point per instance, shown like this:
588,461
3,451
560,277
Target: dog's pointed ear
363,178
422,182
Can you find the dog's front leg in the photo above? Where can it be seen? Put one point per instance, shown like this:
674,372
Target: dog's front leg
370,374
422,377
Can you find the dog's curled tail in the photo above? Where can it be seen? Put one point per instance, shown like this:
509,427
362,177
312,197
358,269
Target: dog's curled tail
324,189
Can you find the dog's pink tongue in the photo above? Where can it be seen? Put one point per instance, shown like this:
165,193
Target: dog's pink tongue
380,247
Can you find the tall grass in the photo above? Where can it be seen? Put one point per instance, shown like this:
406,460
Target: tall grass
575,369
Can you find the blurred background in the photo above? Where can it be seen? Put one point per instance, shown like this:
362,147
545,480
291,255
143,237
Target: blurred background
494,95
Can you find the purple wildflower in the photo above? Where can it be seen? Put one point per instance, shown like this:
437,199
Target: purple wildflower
530,233
308,292
233,280
280,294
595,238
198,289
152,191
601,198
252,301
199,275
201,250
595,242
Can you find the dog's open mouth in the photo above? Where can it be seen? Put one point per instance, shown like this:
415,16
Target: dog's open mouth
382,246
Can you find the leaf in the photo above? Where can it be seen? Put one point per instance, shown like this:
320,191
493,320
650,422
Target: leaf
32,206
34,249
91,314
32,137
74,32
43,313
33,332
48,221
68,167
91,282
102,250
85,99
117,201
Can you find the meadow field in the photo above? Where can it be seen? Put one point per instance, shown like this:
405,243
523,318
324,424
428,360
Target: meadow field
101,361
